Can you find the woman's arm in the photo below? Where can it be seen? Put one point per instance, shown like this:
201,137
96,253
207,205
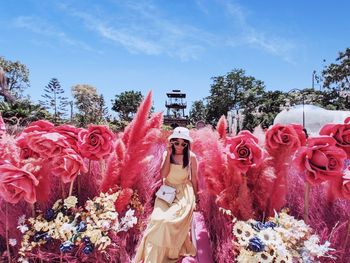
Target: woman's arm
194,169
165,167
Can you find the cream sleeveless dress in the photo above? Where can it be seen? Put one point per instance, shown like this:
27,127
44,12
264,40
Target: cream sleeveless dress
167,235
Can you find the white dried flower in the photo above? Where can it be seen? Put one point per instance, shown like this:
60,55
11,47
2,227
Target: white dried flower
12,242
70,201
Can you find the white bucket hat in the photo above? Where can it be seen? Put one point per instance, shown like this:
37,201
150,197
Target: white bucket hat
180,133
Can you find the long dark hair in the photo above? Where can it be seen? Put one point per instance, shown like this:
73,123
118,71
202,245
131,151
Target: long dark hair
186,153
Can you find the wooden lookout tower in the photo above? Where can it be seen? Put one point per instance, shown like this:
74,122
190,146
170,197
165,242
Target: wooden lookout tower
176,106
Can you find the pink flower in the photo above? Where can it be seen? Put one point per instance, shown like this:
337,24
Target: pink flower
284,138
46,144
41,125
25,151
243,151
341,186
96,142
68,165
17,183
71,134
341,133
321,159
346,185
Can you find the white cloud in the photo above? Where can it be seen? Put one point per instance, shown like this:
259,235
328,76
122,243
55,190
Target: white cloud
41,27
142,29
250,35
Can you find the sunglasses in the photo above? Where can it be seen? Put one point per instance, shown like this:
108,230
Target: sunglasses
176,143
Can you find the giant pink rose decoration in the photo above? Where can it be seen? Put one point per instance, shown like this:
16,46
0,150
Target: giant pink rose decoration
341,133
96,142
25,151
71,134
321,159
68,165
243,151
340,187
16,184
47,144
284,138
41,125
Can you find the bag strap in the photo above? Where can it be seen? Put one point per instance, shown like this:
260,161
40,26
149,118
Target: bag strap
190,166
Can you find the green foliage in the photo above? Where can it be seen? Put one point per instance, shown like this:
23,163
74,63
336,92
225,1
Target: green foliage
126,104
270,105
22,112
54,100
91,106
336,78
233,91
338,75
17,75
198,111
117,125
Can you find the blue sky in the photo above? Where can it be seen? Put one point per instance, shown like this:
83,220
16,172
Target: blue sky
171,44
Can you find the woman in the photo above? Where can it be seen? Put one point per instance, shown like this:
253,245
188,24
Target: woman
167,237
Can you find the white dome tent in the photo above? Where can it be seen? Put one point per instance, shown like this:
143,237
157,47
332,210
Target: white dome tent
315,117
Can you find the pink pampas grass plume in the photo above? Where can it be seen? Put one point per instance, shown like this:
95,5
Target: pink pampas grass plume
221,127
2,126
209,151
135,130
282,141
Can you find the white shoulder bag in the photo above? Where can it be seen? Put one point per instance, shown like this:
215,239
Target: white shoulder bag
166,193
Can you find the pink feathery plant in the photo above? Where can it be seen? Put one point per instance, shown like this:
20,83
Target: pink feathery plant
2,126
281,142
221,127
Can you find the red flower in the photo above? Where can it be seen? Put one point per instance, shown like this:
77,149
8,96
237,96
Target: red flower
46,144
68,165
17,183
96,142
243,151
123,199
321,159
341,133
287,138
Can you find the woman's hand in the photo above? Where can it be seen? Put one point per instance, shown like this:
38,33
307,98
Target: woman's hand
169,148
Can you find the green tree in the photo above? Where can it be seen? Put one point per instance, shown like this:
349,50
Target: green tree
198,111
16,79
271,103
234,91
89,104
22,112
336,81
54,100
126,104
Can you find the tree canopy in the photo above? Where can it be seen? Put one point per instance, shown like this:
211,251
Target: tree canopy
126,104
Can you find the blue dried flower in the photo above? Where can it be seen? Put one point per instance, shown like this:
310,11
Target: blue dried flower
88,249
38,236
86,240
47,238
49,214
66,247
82,226
270,224
256,245
258,226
